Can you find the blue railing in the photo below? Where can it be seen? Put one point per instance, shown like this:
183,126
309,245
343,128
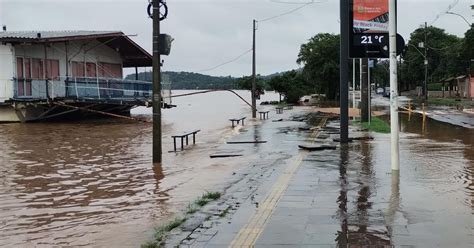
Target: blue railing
83,88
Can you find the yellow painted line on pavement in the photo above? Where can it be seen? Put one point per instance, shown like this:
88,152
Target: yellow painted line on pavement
248,235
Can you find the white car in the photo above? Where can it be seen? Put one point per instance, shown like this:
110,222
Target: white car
379,91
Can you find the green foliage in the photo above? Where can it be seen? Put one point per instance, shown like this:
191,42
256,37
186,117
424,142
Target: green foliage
442,101
245,83
161,232
448,56
376,125
292,85
435,86
380,73
206,198
212,195
190,80
320,57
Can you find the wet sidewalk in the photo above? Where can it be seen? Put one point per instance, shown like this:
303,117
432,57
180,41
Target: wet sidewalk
346,197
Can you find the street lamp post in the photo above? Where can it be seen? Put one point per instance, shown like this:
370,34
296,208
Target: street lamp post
425,57
456,14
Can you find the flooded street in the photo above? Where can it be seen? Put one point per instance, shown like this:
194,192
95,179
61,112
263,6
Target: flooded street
92,183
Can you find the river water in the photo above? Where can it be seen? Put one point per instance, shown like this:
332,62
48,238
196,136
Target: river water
92,182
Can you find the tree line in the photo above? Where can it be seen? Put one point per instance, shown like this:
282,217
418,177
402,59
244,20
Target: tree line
448,56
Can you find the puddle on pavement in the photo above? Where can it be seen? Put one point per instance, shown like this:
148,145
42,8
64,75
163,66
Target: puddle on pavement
430,203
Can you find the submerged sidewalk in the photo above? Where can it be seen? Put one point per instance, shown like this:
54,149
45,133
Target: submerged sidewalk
346,197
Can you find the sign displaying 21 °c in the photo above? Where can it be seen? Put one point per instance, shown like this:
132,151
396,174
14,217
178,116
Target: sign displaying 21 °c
369,29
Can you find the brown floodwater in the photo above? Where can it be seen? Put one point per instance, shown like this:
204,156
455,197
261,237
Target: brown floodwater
91,183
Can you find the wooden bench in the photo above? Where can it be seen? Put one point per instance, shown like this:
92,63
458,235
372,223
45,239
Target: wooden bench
184,135
234,120
279,110
263,115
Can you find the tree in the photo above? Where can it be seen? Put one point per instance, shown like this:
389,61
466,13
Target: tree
291,85
320,57
467,49
444,57
245,83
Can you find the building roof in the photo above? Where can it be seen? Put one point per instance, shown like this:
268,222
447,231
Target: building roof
132,54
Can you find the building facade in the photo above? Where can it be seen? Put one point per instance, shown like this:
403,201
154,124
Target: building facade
47,75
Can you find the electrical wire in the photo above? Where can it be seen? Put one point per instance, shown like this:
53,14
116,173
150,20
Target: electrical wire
303,4
450,7
287,2
227,62
291,11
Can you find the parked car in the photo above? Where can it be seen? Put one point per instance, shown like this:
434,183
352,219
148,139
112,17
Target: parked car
386,92
379,91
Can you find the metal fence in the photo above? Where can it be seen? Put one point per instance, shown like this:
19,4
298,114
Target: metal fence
88,88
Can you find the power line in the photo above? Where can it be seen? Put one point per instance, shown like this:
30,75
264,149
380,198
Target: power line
303,4
450,7
291,11
227,62
287,2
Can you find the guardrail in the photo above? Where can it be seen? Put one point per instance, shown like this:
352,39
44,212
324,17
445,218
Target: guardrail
86,88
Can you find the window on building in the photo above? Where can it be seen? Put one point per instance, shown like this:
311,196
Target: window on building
77,69
52,69
23,74
91,70
37,71
109,70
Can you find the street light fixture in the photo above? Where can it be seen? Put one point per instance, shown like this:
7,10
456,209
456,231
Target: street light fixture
423,45
452,13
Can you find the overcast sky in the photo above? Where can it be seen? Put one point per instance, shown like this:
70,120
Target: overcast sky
208,33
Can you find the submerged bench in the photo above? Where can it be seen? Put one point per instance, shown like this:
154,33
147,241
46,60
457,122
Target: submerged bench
263,115
184,135
237,120
279,110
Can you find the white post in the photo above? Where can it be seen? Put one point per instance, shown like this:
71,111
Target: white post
75,86
361,71
394,125
353,85
369,89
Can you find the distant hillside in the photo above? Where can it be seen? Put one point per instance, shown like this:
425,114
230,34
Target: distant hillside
191,80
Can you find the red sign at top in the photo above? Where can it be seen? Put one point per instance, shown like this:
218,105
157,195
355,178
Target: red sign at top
370,15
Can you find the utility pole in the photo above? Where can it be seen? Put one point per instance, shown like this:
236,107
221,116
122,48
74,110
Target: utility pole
426,62
254,76
364,106
156,101
344,69
394,125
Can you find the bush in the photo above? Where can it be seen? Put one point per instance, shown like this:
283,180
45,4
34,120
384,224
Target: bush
435,87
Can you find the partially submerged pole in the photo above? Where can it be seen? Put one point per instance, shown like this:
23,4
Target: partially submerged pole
156,84
254,76
344,69
353,85
369,91
394,125
364,102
